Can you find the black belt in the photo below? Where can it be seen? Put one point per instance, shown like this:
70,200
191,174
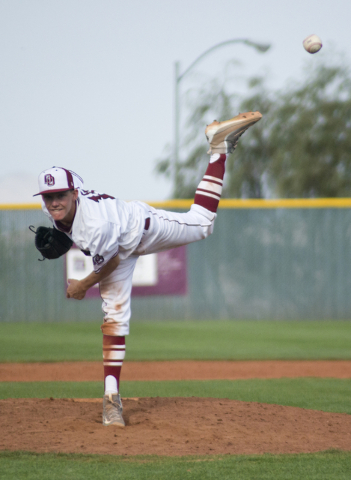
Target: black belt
147,223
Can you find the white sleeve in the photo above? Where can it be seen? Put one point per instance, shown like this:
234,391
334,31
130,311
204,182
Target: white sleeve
104,244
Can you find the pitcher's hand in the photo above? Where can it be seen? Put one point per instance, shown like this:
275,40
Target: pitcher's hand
75,289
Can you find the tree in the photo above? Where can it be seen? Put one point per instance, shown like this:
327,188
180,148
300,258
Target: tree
310,140
301,147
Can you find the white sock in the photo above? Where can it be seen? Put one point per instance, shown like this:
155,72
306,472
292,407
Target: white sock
214,157
110,385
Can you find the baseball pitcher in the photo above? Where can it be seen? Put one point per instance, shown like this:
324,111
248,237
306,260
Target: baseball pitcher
115,233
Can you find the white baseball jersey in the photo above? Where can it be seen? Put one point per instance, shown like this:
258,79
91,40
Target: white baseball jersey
104,226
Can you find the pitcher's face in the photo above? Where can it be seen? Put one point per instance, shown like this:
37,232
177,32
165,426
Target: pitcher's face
61,205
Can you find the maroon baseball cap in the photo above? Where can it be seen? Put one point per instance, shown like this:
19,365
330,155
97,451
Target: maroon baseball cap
55,179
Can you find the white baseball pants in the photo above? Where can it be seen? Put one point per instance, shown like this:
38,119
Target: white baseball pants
167,230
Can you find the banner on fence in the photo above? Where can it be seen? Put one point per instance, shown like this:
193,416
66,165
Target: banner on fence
163,273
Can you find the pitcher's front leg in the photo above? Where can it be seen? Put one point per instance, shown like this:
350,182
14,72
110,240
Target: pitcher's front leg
115,291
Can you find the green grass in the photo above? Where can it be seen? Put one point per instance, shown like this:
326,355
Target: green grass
207,340
201,340
330,395
319,466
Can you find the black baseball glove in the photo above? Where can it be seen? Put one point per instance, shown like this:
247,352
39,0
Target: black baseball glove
50,242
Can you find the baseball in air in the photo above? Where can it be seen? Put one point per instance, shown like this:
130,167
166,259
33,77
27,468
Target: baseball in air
312,44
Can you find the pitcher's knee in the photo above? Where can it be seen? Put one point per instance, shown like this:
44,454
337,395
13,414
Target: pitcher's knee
115,329
208,230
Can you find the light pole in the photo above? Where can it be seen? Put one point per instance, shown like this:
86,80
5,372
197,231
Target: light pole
177,79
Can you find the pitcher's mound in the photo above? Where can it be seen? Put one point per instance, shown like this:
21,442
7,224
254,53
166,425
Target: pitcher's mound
170,426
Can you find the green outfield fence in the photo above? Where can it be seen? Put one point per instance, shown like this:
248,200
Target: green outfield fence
267,259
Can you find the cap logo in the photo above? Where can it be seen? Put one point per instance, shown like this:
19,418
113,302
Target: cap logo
49,180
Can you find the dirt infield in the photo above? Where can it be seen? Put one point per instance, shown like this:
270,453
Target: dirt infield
175,370
171,426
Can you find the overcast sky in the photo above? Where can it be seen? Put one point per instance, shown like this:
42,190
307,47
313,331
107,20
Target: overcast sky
89,84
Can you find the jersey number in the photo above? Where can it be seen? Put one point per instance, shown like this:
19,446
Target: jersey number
96,196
